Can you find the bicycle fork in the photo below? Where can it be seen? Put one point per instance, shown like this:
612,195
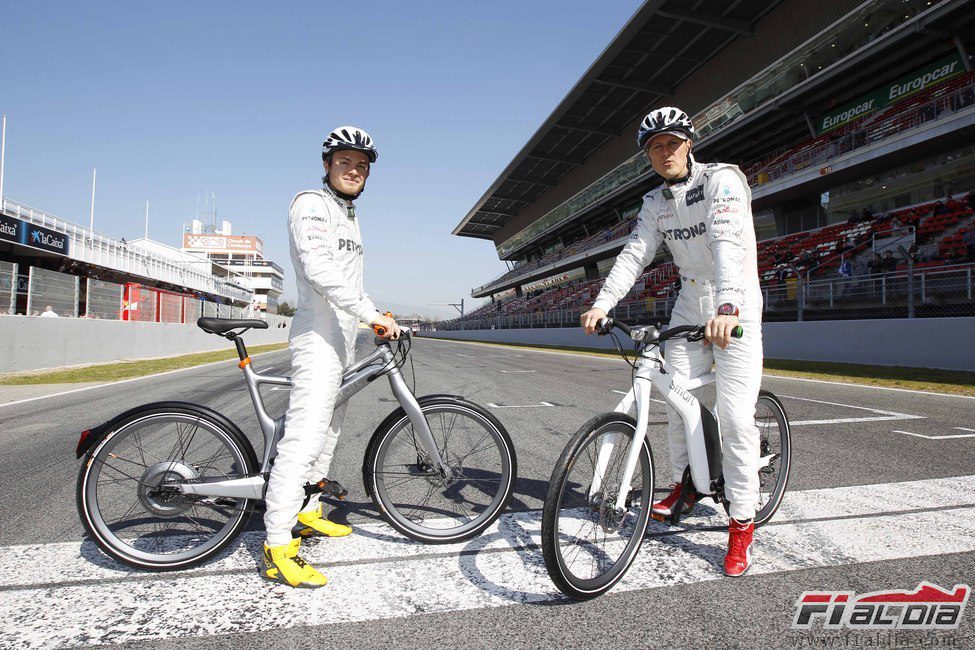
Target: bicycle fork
419,421
639,395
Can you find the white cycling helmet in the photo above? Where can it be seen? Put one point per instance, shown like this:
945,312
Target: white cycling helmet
349,137
665,120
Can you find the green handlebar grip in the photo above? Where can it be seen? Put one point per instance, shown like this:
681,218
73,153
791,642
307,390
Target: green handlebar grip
737,333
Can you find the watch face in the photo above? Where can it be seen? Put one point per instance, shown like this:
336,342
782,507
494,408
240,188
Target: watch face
727,310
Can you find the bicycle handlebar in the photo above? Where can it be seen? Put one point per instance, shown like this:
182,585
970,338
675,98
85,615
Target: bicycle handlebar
638,334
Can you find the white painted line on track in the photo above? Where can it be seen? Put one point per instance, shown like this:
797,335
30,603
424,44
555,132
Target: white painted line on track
623,392
945,437
125,381
518,406
965,429
856,385
74,595
884,416
518,372
769,375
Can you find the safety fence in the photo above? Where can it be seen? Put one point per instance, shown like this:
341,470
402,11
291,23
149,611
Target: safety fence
103,300
942,291
52,293
8,287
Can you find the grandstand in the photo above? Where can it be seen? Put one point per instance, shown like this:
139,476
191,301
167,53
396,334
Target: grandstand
853,121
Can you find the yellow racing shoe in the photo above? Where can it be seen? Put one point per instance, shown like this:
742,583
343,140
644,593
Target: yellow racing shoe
314,524
283,564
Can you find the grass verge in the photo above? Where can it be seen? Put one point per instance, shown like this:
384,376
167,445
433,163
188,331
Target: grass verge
128,369
955,382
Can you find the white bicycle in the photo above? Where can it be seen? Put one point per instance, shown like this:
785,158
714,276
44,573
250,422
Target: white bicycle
599,498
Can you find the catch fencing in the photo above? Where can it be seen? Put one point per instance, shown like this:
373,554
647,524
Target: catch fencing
59,291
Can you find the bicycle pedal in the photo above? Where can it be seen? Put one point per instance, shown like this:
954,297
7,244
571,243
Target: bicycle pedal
658,517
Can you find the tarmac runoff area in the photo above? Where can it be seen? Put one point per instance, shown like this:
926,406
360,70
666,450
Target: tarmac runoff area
882,496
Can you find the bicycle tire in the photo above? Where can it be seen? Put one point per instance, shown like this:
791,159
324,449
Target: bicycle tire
781,466
130,425
573,586
379,461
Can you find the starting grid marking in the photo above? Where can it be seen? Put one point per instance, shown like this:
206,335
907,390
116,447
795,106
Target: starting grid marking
78,596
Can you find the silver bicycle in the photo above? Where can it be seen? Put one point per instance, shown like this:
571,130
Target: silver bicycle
168,485
599,498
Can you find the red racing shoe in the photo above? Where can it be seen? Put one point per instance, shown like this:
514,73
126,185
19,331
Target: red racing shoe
665,507
739,557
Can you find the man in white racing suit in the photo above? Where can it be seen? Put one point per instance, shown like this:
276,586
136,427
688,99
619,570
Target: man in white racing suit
703,213
327,252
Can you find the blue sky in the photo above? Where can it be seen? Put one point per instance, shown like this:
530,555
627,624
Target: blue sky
169,99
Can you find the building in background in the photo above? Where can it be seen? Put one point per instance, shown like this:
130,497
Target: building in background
46,260
243,254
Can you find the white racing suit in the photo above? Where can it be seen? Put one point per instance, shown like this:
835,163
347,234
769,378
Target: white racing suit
326,249
706,222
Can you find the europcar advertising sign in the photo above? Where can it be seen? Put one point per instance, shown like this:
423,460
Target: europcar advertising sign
892,92
27,234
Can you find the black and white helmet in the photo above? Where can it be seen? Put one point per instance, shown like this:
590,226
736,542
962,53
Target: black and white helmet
349,137
665,120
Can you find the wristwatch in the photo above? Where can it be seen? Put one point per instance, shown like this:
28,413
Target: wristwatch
727,309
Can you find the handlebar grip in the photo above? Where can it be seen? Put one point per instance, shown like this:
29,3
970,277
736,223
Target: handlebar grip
737,333
379,329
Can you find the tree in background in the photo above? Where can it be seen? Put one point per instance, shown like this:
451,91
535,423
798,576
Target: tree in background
284,309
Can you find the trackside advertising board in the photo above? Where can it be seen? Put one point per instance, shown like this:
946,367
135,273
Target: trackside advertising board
27,234
892,92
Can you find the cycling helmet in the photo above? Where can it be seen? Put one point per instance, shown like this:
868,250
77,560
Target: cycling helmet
665,120
349,137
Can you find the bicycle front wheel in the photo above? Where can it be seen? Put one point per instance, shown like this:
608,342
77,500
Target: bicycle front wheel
775,455
587,542
128,497
408,489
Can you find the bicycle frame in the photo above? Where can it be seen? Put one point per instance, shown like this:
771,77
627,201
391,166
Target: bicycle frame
357,377
655,371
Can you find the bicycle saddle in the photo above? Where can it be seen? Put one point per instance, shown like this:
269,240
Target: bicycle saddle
224,325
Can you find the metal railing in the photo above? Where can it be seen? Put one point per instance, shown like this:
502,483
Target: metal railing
102,250
819,152
905,293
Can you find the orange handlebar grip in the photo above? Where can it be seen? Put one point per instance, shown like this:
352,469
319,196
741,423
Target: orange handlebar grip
379,329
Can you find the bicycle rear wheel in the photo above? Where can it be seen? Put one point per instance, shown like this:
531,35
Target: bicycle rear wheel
587,543
127,495
776,455
420,503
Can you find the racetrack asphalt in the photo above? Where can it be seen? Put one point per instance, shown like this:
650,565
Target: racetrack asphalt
872,472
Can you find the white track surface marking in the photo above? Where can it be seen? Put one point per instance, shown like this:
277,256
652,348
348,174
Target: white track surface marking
770,374
945,437
74,595
518,406
125,381
882,417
